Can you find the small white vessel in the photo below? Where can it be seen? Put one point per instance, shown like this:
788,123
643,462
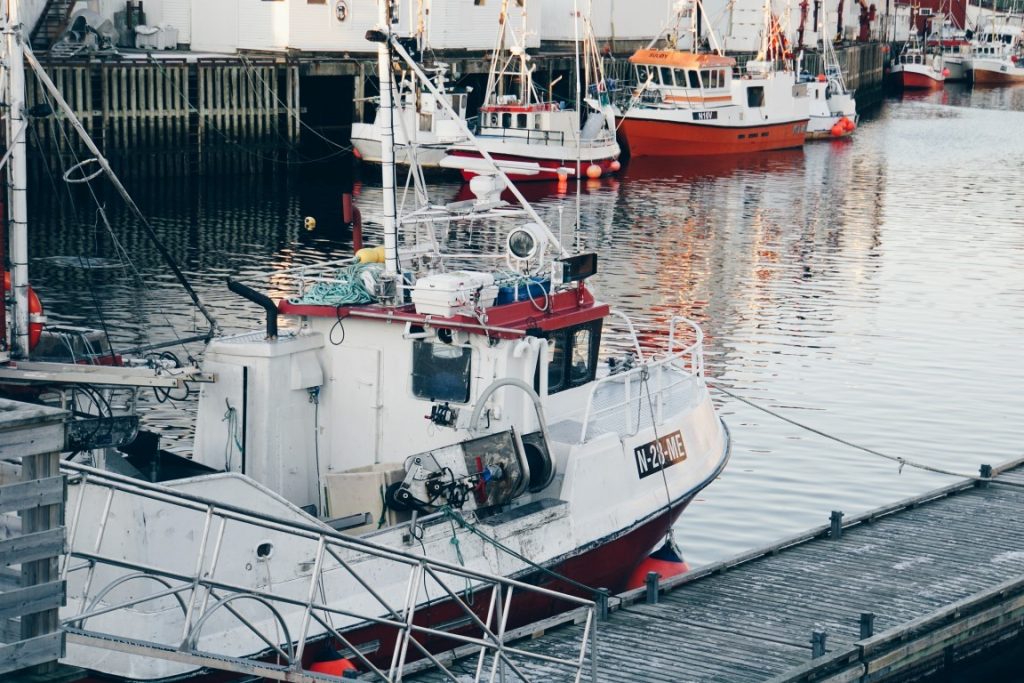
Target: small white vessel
833,109
421,126
532,136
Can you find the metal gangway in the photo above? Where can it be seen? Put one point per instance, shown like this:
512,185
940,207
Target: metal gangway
478,606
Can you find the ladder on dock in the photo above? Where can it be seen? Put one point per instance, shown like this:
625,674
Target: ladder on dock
478,605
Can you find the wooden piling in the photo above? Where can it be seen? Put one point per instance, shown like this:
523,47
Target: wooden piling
33,435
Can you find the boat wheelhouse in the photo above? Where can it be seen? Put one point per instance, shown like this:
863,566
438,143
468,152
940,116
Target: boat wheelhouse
689,104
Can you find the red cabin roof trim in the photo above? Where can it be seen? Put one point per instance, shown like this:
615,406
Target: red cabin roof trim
508,321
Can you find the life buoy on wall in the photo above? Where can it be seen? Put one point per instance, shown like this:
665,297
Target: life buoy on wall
36,318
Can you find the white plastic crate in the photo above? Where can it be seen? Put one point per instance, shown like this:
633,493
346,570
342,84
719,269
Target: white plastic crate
457,293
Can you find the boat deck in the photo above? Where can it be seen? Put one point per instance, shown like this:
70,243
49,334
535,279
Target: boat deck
623,404
940,576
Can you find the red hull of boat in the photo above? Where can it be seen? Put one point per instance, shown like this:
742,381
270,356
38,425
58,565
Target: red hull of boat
996,77
910,80
552,164
677,139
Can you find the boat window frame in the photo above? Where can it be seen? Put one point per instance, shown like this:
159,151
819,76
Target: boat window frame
466,353
562,346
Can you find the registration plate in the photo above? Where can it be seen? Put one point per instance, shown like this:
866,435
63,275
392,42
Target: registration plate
654,456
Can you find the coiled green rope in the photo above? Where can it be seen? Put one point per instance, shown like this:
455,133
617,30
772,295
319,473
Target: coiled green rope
347,288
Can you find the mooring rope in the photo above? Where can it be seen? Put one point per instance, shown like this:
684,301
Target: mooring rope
903,462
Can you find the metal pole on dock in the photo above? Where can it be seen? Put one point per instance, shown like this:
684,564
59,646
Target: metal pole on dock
18,177
387,139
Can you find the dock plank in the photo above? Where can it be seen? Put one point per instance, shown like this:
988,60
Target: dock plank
753,620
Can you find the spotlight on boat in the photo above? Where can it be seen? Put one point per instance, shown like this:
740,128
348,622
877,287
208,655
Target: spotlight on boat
525,246
375,35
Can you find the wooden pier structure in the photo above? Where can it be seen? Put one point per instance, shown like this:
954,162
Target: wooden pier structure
141,106
32,494
895,594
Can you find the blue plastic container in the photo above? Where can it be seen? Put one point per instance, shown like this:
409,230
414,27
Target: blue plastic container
535,290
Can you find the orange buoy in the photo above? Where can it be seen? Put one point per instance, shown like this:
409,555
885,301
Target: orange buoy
333,667
356,154
664,561
821,78
848,124
594,171
837,130
615,166
36,319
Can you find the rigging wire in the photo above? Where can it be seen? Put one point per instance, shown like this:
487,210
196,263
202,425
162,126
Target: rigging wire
101,213
48,85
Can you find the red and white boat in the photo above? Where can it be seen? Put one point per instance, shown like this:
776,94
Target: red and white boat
533,137
432,444
997,57
916,69
690,104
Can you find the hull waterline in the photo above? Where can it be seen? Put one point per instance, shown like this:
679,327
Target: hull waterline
646,137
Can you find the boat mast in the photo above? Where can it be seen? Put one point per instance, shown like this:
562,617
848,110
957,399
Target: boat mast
17,176
387,141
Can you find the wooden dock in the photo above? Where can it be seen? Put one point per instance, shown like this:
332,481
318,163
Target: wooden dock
897,593
253,106
32,532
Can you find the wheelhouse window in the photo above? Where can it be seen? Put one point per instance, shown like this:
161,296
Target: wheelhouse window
680,77
694,79
521,120
705,77
441,372
666,76
572,356
755,96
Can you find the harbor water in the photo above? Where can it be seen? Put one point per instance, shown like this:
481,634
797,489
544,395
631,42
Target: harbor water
871,289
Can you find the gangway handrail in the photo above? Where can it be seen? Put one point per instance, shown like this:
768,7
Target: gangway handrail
335,552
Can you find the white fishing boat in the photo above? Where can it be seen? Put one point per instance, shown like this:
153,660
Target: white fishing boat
421,126
689,103
997,56
428,433
952,42
533,136
833,109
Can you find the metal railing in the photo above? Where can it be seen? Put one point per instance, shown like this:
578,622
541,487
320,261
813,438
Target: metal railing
293,615
653,381
530,136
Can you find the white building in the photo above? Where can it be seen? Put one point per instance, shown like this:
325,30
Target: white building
324,25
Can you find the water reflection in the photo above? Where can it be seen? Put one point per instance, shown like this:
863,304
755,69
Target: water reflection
870,287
